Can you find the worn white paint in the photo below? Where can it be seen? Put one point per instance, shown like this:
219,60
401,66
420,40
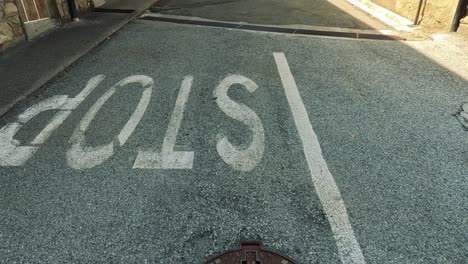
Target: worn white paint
137,115
54,102
90,86
327,190
12,153
168,158
80,156
53,124
240,158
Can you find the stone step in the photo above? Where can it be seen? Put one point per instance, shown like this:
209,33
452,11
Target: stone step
464,20
463,29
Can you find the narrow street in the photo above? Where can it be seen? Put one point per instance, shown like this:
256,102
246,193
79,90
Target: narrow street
172,142
333,13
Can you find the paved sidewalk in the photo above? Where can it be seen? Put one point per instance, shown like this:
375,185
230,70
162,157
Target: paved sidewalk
26,68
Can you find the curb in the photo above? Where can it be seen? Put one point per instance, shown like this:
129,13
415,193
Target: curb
38,84
274,29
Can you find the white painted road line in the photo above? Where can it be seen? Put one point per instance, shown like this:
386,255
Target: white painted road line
12,152
168,158
80,156
238,157
330,197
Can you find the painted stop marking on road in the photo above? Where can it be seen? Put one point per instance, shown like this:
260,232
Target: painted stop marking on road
81,156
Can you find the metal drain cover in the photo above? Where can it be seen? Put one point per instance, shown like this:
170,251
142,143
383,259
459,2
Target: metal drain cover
250,252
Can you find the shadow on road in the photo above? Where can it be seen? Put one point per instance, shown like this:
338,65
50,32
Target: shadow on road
273,12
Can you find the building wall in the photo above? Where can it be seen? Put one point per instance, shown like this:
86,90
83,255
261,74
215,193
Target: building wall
57,8
10,25
439,14
405,8
434,15
63,10
83,5
12,16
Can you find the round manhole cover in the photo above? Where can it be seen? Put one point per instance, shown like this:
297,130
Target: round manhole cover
250,252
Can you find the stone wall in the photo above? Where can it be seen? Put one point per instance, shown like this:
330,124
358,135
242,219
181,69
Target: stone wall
10,24
405,8
438,14
63,9
83,5
435,14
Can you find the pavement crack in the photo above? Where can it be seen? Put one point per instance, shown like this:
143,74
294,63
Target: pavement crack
462,116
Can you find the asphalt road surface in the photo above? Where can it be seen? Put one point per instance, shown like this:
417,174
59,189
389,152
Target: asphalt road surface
329,13
171,143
